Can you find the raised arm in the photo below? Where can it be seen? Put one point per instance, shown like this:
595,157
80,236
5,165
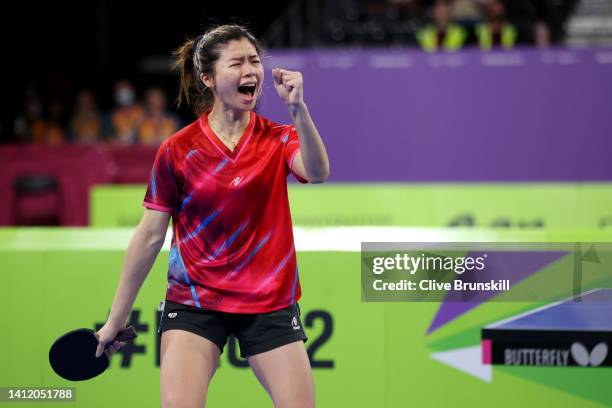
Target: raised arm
311,162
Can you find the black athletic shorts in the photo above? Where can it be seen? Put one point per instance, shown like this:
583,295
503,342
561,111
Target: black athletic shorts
256,333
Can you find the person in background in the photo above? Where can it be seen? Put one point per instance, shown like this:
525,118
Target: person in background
442,33
86,123
34,125
541,34
29,125
157,124
496,31
466,11
55,126
127,115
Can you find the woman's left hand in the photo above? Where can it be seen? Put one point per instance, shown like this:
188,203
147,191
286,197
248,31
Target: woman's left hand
289,86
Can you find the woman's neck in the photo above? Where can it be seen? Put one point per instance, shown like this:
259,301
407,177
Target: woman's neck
228,122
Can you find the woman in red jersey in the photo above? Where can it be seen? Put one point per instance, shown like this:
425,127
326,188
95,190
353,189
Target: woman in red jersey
232,267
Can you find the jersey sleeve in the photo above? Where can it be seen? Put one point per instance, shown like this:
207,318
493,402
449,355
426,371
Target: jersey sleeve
162,191
292,147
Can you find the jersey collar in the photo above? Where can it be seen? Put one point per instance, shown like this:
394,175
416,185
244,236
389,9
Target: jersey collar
232,155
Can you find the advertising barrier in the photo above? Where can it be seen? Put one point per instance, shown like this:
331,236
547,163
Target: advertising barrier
363,354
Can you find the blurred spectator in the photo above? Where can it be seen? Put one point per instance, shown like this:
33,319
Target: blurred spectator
550,17
55,129
466,11
442,33
157,124
541,34
29,125
496,30
86,124
128,114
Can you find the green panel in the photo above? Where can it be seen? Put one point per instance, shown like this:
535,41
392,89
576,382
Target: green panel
116,205
23,296
57,280
526,205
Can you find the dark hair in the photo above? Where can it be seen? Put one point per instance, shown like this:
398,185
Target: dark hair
192,91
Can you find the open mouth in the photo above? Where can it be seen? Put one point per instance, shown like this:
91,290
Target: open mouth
248,89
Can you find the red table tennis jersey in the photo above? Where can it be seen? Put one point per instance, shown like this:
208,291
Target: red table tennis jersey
232,245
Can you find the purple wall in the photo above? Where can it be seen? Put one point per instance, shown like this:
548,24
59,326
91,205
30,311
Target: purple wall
403,115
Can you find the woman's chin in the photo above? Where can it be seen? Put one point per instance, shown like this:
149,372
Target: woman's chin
241,104
245,105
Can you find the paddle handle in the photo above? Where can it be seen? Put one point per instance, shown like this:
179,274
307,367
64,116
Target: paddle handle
124,334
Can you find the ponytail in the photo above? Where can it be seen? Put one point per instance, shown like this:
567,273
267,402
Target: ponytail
191,89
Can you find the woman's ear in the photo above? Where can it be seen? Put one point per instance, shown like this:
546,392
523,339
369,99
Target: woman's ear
207,80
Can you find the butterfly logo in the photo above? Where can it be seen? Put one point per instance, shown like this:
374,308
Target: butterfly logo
596,357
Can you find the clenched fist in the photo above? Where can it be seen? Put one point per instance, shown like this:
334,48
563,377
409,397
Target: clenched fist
289,86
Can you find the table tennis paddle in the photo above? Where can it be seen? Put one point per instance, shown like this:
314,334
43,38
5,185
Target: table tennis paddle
73,355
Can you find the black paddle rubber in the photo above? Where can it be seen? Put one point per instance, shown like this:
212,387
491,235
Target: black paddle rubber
73,355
